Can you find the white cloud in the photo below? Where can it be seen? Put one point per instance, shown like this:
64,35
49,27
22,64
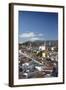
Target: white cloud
30,36
26,35
34,38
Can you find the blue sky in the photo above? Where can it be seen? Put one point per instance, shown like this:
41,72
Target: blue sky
37,26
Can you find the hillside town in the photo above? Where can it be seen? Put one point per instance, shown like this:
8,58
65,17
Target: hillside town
38,59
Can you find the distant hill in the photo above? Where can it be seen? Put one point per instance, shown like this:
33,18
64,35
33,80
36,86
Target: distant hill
40,42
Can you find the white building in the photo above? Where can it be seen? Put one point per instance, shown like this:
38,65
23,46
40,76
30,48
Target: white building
42,48
52,48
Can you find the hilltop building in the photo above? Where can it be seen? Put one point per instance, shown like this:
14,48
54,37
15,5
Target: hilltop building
43,50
